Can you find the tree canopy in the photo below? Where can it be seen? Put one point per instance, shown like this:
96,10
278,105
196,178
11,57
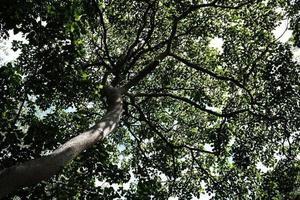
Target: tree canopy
196,119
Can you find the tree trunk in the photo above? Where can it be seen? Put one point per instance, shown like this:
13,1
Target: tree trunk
34,171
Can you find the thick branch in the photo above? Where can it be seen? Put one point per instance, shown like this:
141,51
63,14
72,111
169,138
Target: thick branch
100,63
34,171
212,74
144,72
232,6
128,59
101,20
148,69
186,100
203,70
141,28
194,149
170,144
215,5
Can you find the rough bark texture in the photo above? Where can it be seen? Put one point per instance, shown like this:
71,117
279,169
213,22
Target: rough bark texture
34,171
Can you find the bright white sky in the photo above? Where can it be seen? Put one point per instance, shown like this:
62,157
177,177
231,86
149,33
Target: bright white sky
282,32
6,53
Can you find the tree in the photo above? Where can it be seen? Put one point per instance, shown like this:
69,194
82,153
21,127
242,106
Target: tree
195,118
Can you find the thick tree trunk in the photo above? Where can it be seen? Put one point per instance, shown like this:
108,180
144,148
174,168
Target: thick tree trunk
34,171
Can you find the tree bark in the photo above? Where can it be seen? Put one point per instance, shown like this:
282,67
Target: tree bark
34,171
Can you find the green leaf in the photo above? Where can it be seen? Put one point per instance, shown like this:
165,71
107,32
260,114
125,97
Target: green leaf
85,75
77,17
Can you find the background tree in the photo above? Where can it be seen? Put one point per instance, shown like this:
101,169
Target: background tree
196,119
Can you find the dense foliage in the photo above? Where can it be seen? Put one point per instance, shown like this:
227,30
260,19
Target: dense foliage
196,119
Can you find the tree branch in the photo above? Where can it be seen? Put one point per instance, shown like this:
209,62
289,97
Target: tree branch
170,144
104,35
34,171
144,72
168,42
194,149
232,7
101,63
186,100
201,167
133,52
130,50
216,76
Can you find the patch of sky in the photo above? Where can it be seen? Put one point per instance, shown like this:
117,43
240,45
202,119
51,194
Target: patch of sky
207,147
71,109
43,23
39,113
6,53
217,43
281,32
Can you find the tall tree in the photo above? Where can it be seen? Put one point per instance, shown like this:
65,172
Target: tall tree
196,117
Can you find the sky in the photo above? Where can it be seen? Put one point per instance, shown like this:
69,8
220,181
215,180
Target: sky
6,53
